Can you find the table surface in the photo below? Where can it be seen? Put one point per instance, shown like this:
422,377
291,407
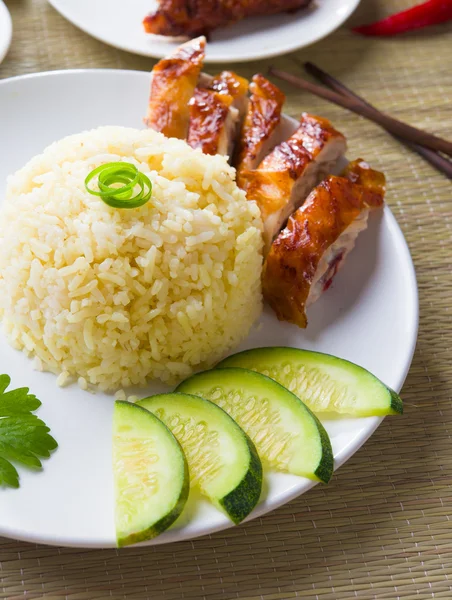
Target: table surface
381,529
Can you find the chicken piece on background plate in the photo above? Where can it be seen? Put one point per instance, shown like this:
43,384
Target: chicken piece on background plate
173,82
285,177
307,254
190,18
216,112
261,128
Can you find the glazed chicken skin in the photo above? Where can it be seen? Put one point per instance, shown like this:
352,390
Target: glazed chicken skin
307,254
195,17
261,127
374,182
213,122
216,112
228,82
285,177
173,82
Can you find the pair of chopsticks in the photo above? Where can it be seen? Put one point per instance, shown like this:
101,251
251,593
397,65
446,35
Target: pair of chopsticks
425,144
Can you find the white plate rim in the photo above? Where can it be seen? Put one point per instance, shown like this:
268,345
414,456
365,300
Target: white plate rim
285,497
258,55
6,27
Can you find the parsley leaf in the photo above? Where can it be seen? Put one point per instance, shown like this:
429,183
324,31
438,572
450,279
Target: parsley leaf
8,474
24,438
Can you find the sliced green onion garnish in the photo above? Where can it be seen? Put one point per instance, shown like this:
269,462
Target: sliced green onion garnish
120,185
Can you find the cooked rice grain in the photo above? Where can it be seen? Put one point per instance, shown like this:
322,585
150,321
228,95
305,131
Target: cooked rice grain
116,297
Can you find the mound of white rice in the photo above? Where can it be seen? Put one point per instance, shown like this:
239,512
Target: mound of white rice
116,297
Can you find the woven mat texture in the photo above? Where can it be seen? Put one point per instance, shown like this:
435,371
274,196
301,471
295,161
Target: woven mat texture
382,528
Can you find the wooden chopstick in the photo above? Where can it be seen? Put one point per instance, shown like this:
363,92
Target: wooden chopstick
439,162
398,128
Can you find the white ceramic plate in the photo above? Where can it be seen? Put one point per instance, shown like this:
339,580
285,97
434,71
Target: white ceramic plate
6,30
119,24
369,316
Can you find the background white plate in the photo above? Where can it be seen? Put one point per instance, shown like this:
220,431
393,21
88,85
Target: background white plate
119,24
369,316
6,30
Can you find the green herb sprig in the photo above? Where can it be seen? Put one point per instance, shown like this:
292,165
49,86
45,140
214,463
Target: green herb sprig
120,185
23,436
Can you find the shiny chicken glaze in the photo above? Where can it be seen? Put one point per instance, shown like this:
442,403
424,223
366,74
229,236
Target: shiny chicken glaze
216,111
173,82
374,182
295,255
209,113
228,82
284,178
262,119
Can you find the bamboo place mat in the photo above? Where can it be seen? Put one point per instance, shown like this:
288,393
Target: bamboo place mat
381,529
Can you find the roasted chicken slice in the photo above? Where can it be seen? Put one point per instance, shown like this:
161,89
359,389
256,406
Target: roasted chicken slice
173,82
285,177
374,182
213,122
307,254
194,17
228,82
216,112
261,126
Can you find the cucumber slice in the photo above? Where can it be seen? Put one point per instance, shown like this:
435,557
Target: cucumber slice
286,434
150,474
222,460
324,382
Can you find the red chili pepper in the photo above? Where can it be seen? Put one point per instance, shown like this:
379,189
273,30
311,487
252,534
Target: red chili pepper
431,12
